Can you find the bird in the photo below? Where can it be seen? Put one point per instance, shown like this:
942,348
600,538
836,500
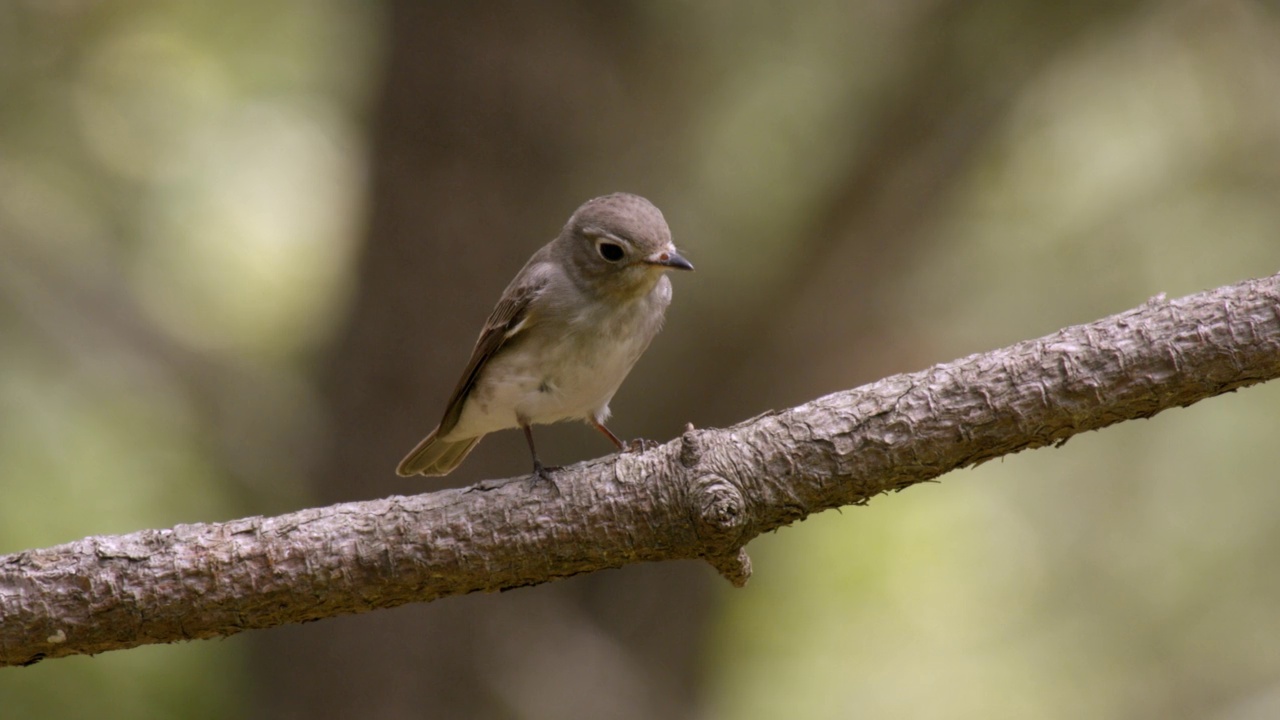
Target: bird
564,335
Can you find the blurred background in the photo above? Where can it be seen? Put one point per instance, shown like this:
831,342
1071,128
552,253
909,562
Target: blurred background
246,246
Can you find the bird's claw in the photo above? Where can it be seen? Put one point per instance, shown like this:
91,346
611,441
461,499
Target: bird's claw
542,475
639,445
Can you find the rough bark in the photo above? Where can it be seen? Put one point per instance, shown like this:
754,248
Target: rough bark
703,496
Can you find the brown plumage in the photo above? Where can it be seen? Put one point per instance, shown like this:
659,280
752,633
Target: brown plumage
565,333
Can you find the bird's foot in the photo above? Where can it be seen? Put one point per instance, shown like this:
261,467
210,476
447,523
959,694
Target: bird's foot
542,475
639,445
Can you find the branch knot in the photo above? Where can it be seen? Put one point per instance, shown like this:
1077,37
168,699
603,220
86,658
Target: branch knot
721,510
690,447
721,519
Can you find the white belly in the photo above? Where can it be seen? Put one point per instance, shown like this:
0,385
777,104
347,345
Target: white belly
553,376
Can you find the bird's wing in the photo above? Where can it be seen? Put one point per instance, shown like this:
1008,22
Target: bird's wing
510,317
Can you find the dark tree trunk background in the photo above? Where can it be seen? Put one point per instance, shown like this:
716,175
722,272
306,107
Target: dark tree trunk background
488,126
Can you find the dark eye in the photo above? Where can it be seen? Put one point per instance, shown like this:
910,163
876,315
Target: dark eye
610,251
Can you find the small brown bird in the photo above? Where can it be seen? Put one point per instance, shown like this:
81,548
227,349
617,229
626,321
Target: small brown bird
565,334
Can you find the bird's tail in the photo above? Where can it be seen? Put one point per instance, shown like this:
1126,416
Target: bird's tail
434,456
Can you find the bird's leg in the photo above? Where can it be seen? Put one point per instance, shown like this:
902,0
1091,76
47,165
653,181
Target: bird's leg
608,433
637,445
541,471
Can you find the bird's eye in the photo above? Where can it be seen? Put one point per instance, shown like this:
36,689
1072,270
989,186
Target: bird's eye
611,252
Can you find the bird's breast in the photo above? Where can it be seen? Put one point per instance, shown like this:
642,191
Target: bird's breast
564,368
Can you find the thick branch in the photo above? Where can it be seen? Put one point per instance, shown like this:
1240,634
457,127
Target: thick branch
703,496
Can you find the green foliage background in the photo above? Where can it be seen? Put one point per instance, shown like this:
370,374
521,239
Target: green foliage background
182,188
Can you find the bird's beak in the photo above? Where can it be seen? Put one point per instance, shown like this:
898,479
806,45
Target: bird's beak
669,258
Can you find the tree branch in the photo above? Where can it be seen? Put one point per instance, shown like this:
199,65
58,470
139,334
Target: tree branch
704,496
